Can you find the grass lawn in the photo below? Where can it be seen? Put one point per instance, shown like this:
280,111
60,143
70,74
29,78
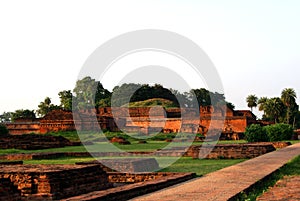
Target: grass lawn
134,146
184,164
200,166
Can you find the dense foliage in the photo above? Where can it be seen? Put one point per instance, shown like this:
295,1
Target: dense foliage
256,133
275,132
283,109
24,114
279,132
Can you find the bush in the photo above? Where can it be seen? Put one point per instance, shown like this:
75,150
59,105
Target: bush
256,133
279,132
3,130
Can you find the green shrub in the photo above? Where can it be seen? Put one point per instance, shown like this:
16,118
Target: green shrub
3,130
279,132
256,133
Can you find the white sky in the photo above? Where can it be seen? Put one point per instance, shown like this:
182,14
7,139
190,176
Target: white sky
255,45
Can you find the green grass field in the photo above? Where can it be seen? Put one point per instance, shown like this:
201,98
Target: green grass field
184,164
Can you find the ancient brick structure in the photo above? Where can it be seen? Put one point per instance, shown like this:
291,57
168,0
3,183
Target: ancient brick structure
231,151
127,164
34,142
53,182
153,182
144,120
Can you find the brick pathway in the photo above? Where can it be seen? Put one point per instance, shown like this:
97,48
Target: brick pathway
287,188
228,182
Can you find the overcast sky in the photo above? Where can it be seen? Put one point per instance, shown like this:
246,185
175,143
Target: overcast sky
254,45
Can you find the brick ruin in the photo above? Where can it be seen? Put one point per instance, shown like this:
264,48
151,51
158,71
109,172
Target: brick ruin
126,164
79,182
140,119
34,142
52,182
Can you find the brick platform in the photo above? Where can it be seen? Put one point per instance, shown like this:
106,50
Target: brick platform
34,142
231,151
126,164
227,183
52,182
156,181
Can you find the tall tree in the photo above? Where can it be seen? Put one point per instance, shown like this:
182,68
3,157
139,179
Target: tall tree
251,101
89,92
288,97
66,97
261,103
274,108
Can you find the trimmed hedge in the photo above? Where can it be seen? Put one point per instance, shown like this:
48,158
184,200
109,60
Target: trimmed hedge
271,133
279,132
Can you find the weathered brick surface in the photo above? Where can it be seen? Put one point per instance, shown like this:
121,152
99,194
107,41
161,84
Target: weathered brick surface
230,150
126,164
287,188
117,177
33,142
129,191
140,119
48,182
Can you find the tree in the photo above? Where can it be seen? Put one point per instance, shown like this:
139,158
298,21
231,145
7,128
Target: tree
26,114
5,117
89,92
274,108
46,106
251,101
230,105
66,97
288,97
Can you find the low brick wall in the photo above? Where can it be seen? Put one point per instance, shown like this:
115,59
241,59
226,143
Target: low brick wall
126,164
117,177
34,142
231,151
52,182
129,191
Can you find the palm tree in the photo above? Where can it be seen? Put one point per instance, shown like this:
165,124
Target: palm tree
288,97
274,108
251,101
261,103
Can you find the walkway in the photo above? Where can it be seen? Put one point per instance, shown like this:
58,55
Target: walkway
228,182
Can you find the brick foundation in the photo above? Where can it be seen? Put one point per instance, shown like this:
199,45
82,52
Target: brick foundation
231,151
34,142
52,182
126,164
